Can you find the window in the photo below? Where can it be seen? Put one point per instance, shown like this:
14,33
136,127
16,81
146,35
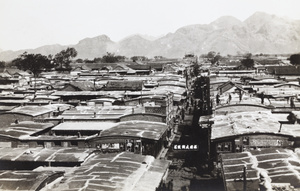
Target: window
226,147
57,143
40,143
74,143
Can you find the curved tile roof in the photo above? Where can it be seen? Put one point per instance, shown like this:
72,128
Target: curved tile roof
143,129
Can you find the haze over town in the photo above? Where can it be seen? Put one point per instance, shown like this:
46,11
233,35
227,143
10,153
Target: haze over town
32,23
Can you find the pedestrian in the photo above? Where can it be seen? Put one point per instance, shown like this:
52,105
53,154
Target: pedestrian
218,99
169,132
229,98
292,102
199,104
170,185
240,95
262,97
182,114
164,187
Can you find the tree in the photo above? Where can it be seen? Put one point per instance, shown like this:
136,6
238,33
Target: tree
79,60
213,57
247,63
295,59
216,59
211,54
247,55
63,58
120,58
139,58
196,69
97,60
2,64
35,63
111,58
158,57
87,61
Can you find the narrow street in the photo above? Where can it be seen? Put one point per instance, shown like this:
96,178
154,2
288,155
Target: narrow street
189,169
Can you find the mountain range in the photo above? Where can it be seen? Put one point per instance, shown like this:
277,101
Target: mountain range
260,33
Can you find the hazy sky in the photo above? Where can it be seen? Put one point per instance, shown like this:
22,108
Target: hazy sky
33,23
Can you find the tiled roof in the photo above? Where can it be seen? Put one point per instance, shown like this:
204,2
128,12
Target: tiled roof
85,85
139,67
24,128
25,180
40,154
39,110
113,172
284,70
250,122
12,71
85,126
228,85
124,85
143,129
274,165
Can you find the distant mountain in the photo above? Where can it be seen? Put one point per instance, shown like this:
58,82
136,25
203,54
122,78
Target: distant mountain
94,47
145,36
260,33
273,34
226,22
45,50
135,45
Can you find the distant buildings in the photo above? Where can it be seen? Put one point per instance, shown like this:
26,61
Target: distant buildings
253,135
111,124
123,116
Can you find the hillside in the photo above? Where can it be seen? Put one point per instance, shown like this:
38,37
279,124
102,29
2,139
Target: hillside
260,33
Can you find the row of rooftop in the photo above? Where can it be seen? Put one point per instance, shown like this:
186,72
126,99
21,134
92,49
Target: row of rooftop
106,128
254,131
114,125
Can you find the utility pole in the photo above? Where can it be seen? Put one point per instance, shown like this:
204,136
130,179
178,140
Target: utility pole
245,178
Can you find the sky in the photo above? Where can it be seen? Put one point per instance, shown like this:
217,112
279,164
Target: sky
34,23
